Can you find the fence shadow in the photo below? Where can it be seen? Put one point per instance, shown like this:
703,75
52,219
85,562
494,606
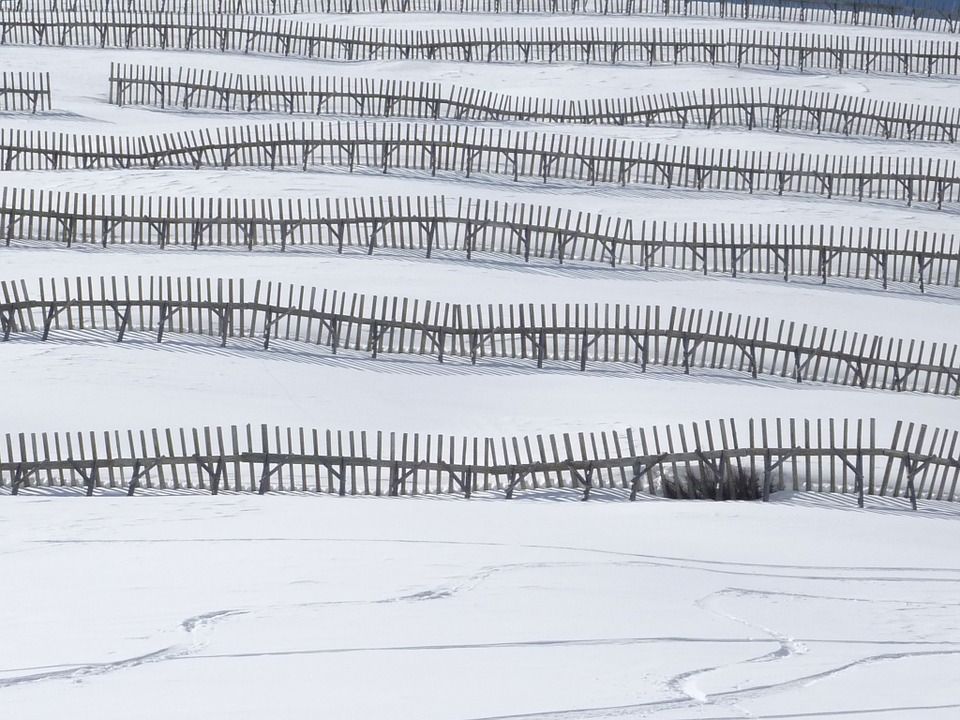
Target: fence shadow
875,504
405,364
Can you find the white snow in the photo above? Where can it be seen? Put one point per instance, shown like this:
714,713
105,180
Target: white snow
508,21
102,385
97,382
862,305
245,607
79,78
638,202
544,608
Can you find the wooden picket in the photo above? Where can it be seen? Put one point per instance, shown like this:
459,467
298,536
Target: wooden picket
22,91
830,455
929,16
317,320
470,150
749,108
615,46
438,227
843,455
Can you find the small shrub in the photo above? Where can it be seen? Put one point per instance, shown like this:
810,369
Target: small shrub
738,484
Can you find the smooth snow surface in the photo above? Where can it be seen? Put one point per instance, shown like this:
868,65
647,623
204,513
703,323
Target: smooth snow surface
297,607
192,607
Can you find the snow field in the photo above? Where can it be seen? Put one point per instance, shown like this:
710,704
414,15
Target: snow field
439,608
80,91
102,385
543,608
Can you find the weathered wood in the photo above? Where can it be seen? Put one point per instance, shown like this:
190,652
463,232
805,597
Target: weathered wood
771,108
678,338
926,15
632,45
453,149
269,461
437,227
24,92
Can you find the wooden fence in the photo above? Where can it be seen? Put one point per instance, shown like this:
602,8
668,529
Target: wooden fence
618,45
576,334
846,456
771,107
471,150
934,16
20,91
437,226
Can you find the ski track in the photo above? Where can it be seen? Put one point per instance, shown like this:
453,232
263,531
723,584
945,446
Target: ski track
710,566
730,695
191,625
208,620
683,684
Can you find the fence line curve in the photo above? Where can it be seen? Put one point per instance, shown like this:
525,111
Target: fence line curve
771,108
581,334
930,16
472,150
730,459
436,226
623,45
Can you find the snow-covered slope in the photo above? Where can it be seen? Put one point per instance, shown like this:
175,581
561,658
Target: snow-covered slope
244,607
193,606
